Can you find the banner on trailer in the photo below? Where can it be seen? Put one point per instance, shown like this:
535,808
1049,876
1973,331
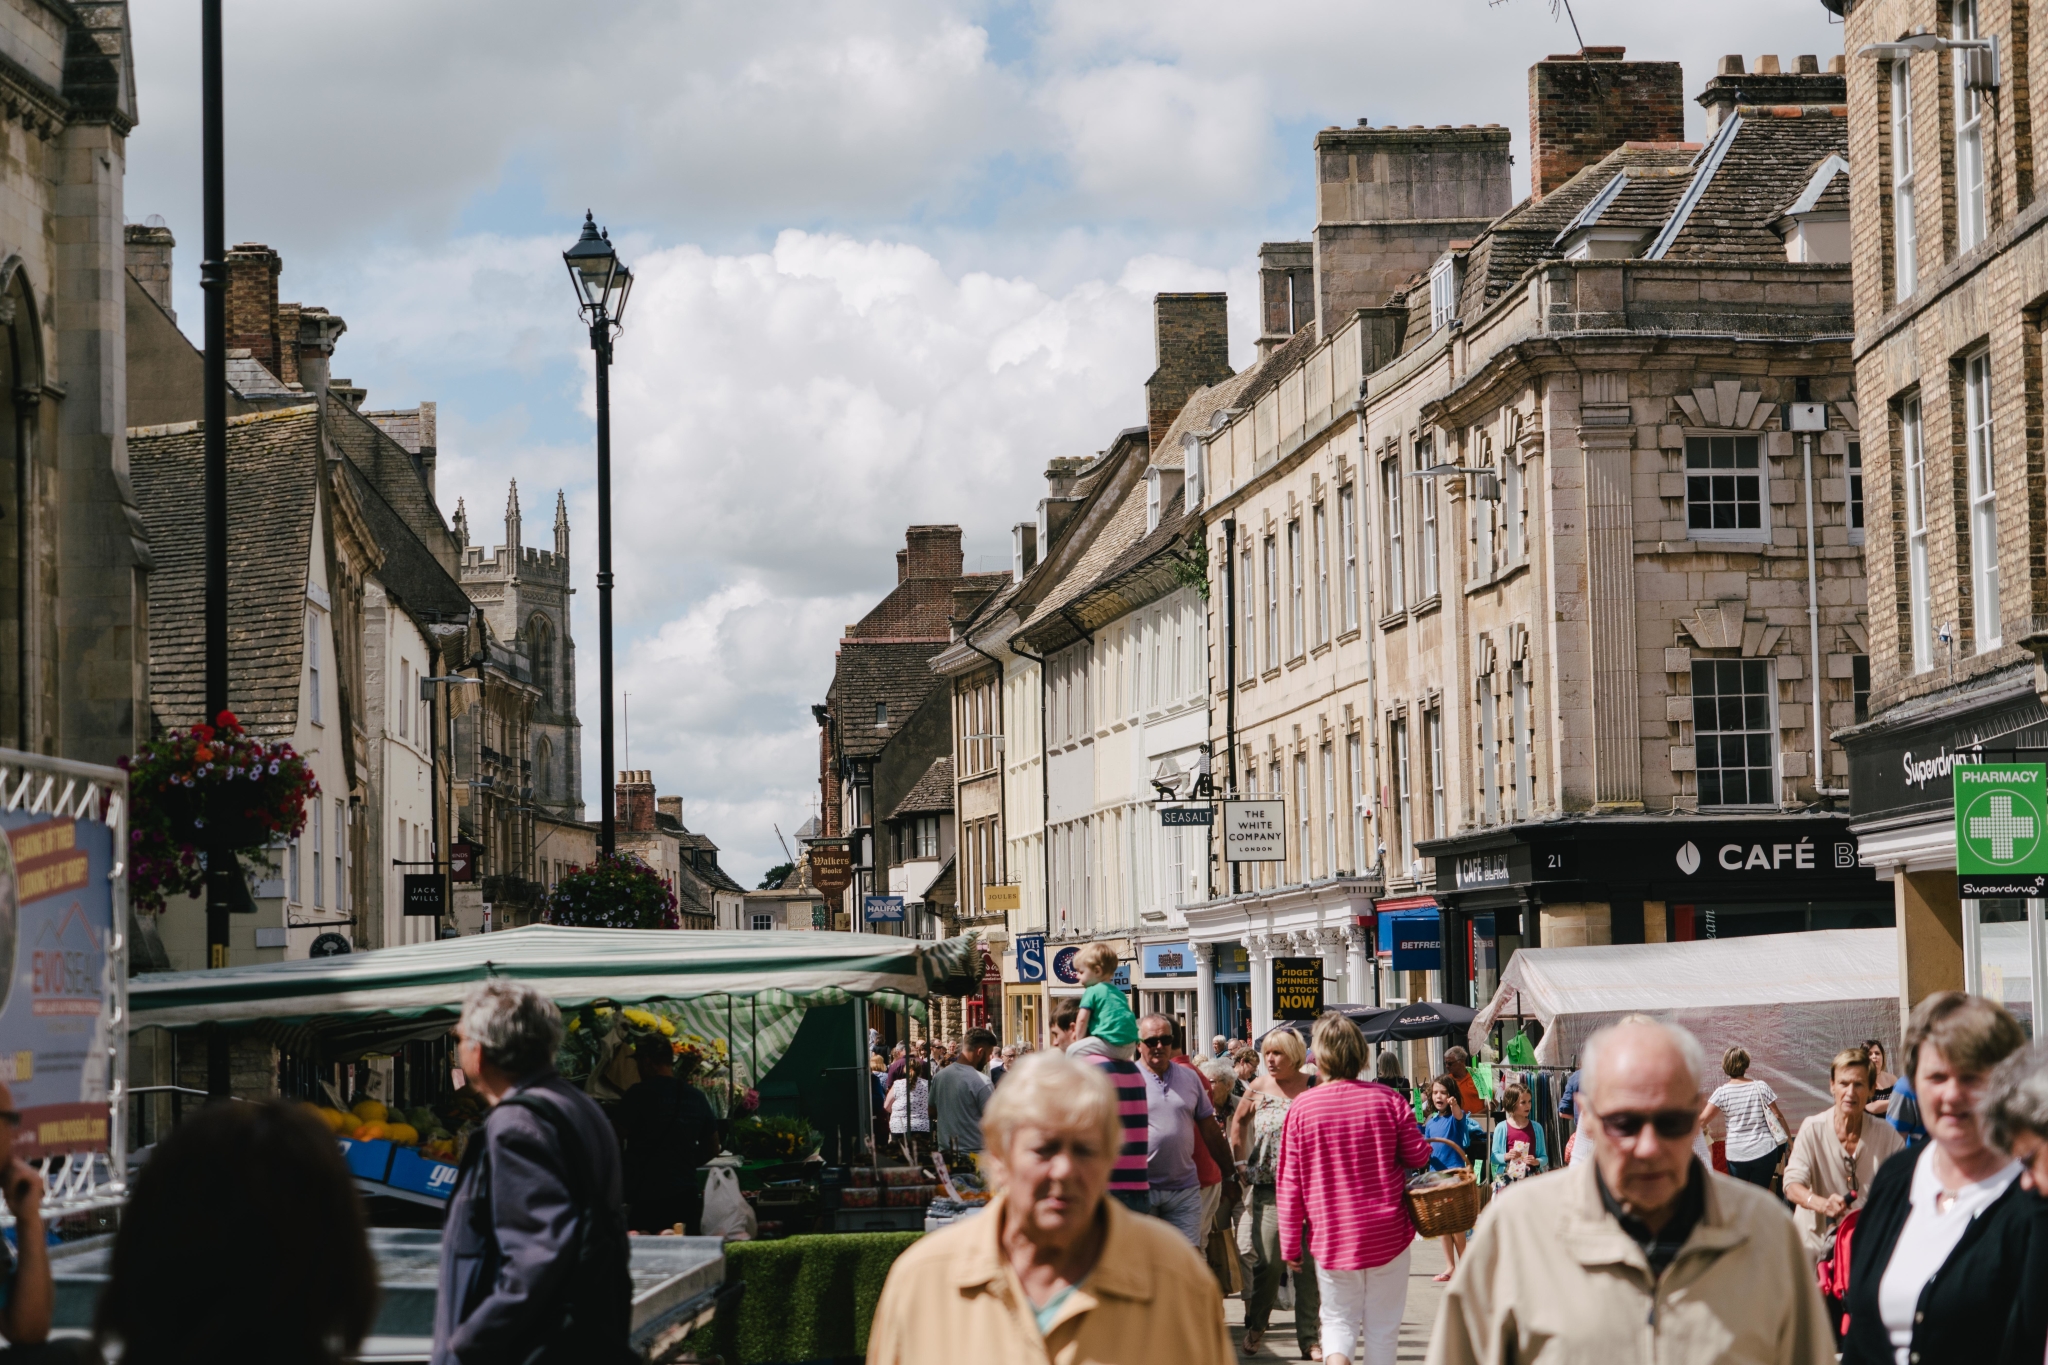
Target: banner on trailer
56,929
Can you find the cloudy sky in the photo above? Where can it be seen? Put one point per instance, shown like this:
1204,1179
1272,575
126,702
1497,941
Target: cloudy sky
892,256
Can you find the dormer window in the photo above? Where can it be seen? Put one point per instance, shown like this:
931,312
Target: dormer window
1443,293
1816,227
1151,501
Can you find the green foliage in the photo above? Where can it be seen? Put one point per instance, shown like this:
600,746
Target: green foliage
806,1298
773,1138
616,892
775,876
1191,564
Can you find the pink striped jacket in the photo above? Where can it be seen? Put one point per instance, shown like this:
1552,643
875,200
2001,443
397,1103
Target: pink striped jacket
1345,1153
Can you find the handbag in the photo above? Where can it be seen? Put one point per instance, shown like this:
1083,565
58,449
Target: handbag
1778,1133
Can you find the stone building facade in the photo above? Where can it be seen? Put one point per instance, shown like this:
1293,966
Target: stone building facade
1951,290
1505,548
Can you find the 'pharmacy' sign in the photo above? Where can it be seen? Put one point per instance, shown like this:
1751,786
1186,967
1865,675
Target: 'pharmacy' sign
2001,830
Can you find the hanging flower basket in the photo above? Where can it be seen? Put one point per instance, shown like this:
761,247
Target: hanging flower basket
212,785
615,892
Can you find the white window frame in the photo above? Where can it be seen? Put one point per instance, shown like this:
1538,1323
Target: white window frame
1919,580
1970,190
1347,526
1983,492
1328,754
1439,811
1852,463
1443,293
1354,745
1523,718
1397,568
1905,226
1297,592
762,922
1321,526
1273,655
1489,752
1404,825
316,715
1697,476
1248,589
1428,544
1767,730
1302,815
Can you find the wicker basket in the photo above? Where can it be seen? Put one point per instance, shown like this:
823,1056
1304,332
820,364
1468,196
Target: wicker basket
1451,1206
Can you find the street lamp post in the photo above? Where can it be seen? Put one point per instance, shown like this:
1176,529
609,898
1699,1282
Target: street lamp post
213,278
602,285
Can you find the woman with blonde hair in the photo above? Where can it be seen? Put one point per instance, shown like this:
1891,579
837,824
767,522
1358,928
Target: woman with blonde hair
1255,1142
1345,1153
1052,1269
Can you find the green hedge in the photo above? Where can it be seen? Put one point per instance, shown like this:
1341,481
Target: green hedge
806,1298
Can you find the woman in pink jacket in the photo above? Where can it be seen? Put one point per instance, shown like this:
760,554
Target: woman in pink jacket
1345,1154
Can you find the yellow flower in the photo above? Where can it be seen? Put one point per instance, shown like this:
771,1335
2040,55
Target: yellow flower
668,1028
642,1018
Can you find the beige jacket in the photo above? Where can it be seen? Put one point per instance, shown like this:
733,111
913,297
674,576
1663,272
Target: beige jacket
953,1297
1819,1163
1551,1279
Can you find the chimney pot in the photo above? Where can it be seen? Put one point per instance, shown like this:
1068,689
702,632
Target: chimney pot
149,260
1767,65
1731,65
1809,65
1365,123
635,800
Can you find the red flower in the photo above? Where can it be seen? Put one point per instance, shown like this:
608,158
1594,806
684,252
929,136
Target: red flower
226,720
203,754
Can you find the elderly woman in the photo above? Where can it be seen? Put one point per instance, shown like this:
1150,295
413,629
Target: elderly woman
1345,1154
1255,1142
1052,1269
2015,1112
1837,1154
1948,1264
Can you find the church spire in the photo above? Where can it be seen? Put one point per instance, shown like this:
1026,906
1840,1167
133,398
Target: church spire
461,526
512,520
561,527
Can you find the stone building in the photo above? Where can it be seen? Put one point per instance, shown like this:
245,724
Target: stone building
1949,301
75,557
650,827
1510,555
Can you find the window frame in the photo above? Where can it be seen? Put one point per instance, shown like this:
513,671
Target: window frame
1404,796
1980,453
1248,589
1852,468
1304,817
1905,223
1919,566
1522,718
1972,198
1347,526
1273,645
1297,591
1759,475
1392,540
1320,528
1429,533
1439,809
1328,755
1766,730
1354,754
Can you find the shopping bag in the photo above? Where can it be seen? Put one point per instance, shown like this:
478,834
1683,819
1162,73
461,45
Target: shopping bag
726,1213
1482,1079
1521,1051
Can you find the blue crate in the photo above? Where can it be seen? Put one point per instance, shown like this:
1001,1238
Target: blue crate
421,1175
367,1160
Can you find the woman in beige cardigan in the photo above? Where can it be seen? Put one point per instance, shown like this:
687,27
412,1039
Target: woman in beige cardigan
1837,1153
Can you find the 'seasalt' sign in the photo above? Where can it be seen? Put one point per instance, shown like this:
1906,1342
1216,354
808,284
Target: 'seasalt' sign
1297,987
1255,831
2001,830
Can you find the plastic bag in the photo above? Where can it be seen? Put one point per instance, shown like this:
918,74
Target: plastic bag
1482,1079
1521,1051
726,1213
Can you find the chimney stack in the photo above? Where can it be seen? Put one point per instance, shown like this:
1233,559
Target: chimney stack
315,334
671,806
1806,84
1585,104
635,808
1191,344
1287,292
932,552
149,260
252,301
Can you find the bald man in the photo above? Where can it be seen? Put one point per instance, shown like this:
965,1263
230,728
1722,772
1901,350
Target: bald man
1642,1253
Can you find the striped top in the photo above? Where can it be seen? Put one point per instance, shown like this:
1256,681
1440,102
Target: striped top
1345,1154
1129,1176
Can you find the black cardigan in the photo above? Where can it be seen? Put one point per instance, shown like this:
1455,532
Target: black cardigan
1987,1305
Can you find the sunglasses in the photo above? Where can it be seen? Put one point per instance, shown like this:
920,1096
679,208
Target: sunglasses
1161,1041
1671,1124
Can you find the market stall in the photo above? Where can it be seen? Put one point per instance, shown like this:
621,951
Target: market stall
1791,1000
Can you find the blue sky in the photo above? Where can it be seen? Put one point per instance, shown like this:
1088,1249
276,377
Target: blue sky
893,255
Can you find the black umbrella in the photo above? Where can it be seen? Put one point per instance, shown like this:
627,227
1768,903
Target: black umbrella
1422,1019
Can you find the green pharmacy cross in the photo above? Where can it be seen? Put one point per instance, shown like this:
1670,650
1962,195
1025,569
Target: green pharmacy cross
2001,818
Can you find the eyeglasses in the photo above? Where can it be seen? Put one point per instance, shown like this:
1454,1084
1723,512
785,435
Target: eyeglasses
1671,1124
1161,1041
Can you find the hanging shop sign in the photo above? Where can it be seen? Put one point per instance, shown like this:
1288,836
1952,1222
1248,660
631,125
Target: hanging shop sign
1168,959
462,861
426,894
1297,987
1170,816
1255,831
884,909
1065,969
1001,899
2001,830
1031,958
831,868
1412,939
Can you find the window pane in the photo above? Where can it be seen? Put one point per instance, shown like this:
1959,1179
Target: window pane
1696,452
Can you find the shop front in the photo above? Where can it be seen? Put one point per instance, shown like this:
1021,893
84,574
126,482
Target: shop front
1591,880
1330,920
1024,1014
1166,982
1231,994
1902,790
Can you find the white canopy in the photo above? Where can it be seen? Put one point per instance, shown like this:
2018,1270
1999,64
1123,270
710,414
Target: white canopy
1791,1000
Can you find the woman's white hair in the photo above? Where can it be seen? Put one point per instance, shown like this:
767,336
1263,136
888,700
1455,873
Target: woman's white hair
2017,1099
1689,1048
1053,1090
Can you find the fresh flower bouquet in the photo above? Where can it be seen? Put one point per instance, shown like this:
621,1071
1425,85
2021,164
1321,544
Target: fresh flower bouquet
616,892
210,785
774,1138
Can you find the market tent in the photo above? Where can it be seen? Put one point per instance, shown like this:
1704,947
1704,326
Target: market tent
360,1002
1791,1000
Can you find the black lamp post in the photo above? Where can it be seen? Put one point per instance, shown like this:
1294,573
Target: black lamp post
213,278
602,285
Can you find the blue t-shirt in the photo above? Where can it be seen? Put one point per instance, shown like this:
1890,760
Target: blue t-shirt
1903,1113
1452,1130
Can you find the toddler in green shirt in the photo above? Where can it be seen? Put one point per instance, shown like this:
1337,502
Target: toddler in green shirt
1106,1024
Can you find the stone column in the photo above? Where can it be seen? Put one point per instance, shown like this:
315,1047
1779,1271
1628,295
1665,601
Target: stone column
1930,920
1259,958
1358,965
1201,1018
1330,948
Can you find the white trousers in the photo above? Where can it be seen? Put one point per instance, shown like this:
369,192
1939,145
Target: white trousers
1362,1311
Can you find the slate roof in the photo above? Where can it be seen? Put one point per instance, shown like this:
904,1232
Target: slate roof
1199,413
918,609
867,672
933,794
274,465
248,377
395,472
1769,157
410,573
412,428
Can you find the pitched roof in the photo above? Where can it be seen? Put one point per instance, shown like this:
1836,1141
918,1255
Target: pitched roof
395,472
274,465
933,793
413,428
1199,414
248,378
898,675
410,573
1756,166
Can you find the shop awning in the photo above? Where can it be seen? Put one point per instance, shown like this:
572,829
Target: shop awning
426,981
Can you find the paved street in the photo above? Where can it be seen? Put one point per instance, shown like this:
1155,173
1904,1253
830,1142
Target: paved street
1424,1294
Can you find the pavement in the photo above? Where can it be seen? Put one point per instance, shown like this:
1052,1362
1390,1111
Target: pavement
1425,1296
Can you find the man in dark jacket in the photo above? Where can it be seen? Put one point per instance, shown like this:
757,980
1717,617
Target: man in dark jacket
670,1133
534,1252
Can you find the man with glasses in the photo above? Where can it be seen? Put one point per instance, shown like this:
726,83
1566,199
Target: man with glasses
1642,1253
1177,1112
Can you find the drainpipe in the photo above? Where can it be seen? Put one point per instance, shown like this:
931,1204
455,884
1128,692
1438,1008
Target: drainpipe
1230,673
1813,624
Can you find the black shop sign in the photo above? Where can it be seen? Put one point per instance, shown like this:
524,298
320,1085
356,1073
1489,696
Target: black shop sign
1909,769
1297,987
426,893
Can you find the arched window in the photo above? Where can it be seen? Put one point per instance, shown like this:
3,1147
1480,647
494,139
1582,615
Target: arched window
540,644
543,769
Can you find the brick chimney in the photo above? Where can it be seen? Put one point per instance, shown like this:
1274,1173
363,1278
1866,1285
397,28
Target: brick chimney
1585,104
149,260
1805,84
1191,344
252,301
932,552
671,806
635,808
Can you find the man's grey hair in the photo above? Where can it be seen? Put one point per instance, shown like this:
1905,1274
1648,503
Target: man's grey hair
2016,1100
1689,1049
1219,1069
518,1027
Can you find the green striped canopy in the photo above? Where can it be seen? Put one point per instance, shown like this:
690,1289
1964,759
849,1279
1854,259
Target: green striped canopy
371,992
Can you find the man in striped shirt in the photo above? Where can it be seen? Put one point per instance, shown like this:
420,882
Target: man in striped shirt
1130,1182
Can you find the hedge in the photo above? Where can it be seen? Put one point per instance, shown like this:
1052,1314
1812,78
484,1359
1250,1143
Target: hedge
806,1298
